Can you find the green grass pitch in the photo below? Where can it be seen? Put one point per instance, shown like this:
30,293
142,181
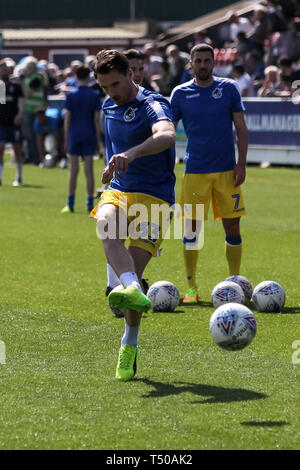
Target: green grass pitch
58,389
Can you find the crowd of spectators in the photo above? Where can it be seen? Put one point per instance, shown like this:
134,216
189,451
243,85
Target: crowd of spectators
261,52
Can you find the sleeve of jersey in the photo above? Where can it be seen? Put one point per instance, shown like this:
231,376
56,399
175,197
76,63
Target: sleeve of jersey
175,109
237,102
108,147
67,103
157,109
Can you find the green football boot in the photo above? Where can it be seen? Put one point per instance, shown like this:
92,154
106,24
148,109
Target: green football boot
130,298
126,368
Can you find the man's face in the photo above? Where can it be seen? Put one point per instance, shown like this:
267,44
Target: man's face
4,72
202,64
117,86
137,67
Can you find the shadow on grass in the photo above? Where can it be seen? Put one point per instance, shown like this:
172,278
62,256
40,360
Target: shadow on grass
200,303
290,310
265,423
34,186
214,394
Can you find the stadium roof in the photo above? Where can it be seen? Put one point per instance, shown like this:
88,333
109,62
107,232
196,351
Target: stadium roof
206,21
54,34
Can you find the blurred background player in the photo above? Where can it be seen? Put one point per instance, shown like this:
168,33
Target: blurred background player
140,139
35,97
49,123
211,171
11,115
82,134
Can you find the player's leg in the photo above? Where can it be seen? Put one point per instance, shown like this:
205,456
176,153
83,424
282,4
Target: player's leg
111,225
17,146
129,343
233,244
194,201
73,174
112,229
2,148
228,205
90,181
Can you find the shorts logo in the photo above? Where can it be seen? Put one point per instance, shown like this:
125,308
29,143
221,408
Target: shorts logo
217,93
129,115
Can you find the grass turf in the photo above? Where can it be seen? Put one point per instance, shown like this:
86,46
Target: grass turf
58,389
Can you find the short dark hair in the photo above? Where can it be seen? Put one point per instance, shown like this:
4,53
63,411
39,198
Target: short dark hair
134,54
82,72
239,68
108,60
203,47
285,61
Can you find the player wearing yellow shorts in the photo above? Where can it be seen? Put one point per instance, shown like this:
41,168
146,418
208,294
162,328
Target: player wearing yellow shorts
208,107
140,138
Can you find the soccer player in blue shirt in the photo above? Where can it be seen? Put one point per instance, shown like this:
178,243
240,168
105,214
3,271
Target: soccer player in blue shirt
140,138
82,135
208,106
136,61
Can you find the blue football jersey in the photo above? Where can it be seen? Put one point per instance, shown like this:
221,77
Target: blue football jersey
83,102
206,114
130,125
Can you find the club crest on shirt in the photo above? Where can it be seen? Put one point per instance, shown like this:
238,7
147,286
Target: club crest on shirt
129,115
217,93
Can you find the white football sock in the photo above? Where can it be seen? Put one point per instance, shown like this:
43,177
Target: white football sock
130,335
130,279
112,278
19,171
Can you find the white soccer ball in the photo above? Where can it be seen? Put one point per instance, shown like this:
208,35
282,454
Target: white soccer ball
117,311
268,296
49,161
164,296
244,284
226,292
232,326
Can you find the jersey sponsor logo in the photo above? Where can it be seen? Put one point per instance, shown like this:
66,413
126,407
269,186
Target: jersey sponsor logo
194,95
217,93
129,115
110,111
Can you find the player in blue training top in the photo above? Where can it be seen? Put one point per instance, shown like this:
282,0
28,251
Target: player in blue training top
136,61
208,106
82,135
140,138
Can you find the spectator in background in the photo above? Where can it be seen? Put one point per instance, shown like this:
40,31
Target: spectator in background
35,97
199,37
275,17
49,121
82,135
244,80
272,85
182,73
243,45
153,61
287,73
162,83
172,54
261,28
11,114
238,24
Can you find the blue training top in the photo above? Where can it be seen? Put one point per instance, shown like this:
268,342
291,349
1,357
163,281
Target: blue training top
130,125
206,113
82,103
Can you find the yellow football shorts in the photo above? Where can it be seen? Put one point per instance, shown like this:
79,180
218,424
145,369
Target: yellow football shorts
148,218
227,200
